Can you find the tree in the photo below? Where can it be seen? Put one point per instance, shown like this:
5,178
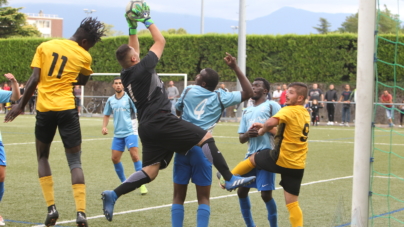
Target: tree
14,23
323,27
388,22
350,24
109,31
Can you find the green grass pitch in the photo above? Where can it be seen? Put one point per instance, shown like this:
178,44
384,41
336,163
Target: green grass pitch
325,195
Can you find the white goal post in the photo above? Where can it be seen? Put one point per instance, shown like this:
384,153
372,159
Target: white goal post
82,96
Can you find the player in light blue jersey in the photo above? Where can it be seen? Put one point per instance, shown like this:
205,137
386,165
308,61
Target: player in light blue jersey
6,96
125,133
262,110
201,105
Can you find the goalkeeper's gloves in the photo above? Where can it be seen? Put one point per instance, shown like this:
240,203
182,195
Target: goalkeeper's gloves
132,25
142,14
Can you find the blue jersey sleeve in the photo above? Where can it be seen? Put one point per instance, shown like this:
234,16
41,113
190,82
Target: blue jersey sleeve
5,96
108,108
229,98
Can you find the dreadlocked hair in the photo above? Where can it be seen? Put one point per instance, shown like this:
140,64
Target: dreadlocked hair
90,29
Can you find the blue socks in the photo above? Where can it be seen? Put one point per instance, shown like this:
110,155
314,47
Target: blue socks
119,171
272,213
138,165
203,215
245,207
177,215
1,190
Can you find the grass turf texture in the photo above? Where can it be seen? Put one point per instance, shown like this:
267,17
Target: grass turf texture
325,195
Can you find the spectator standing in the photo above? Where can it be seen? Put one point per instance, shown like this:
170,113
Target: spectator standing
346,107
282,98
401,108
277,94
32,102
315,109
6,87
223,86
331,96
172,93
22,89
77,97
387,98
316,93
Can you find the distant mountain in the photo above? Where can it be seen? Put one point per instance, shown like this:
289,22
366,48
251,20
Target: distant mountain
291,20
283,21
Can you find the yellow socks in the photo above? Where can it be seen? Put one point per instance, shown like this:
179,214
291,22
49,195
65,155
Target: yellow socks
243,167
47,190
79,193
295,214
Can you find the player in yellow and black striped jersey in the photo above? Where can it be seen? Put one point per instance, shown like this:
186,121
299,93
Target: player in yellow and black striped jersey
58,65
289,155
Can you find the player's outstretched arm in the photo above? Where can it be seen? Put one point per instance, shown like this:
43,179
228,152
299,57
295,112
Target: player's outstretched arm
15,95
143,15
133,38
267,126
29,91
159,41
247,91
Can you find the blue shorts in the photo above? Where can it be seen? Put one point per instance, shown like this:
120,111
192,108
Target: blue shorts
119,144
265,180
3,161
194,165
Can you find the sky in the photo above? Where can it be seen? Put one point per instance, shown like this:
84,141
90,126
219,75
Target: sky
228,9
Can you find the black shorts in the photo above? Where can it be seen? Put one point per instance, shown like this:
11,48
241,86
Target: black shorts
163,134
67,121
291,179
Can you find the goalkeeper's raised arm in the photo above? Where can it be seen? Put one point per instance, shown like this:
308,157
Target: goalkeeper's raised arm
142,15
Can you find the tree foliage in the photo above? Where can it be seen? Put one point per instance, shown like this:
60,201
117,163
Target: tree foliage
387,22
323,27
110,32
14,23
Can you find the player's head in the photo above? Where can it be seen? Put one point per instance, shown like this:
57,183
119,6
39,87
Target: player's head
117,85
296,93
207,78
89,33
260,88
127,56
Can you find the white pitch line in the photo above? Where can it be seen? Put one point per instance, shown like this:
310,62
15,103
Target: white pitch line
321,141
193,201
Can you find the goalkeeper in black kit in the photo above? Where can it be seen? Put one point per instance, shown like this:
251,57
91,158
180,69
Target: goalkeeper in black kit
161,132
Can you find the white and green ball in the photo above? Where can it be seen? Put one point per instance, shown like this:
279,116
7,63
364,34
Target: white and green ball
132,4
